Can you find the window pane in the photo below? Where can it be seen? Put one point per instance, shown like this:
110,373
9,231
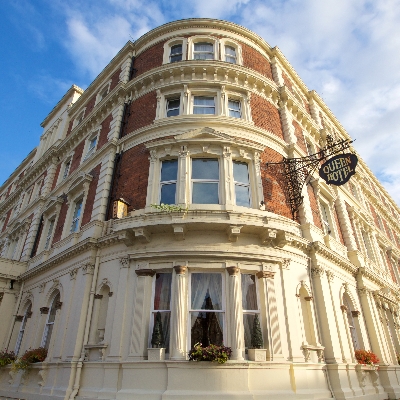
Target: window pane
78,208
203,101
165,323
205,193
242,196
162,291
49,330
173,107
203,47
240,172
249,292
230,51
207,328
169,170
248,321
205,168
177,49
203,110
52,313
168,193
206,291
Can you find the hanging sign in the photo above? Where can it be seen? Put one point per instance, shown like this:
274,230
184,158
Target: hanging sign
339,169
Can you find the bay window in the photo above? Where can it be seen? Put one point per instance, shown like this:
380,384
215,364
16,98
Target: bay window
205,181
203,51
249,305
206,309
203,105
169,173
242,183
162,304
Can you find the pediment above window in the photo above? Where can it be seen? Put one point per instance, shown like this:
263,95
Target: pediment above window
79,183
52,204
204,133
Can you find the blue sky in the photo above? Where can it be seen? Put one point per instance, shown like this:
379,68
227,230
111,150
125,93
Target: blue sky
348,51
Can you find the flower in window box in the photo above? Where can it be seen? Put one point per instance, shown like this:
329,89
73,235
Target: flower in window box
366,357
6,357
220,354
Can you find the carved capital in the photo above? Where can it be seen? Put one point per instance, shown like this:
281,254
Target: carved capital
88,268
124,261
180,269
265,274
44,310
233,271
355,313
98,296
343,308
330,275
308,298
19,318
145,272
73,273
317,271
58,305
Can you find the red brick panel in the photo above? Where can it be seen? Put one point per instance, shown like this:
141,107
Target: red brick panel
87,214
76,159
256,61
90,105
141,112
9,190
105,129
386,228
339,229
56,176
70,127
274,185
314,207
115,79
307,107
389,263
60,222
132,173
371,207
7,218
265,115
43,177
287,81
149,59
37,238
300,137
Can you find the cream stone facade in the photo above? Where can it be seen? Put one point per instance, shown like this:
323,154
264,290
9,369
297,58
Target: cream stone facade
190,114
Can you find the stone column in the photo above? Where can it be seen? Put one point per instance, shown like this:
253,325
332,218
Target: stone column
141,314
50,176
179,314
183,178
345,224
236,313
227,173
288,128
271,330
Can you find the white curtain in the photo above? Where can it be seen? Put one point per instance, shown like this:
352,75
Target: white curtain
203,283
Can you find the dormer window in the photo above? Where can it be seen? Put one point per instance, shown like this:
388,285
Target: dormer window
230,54
203,51
176,53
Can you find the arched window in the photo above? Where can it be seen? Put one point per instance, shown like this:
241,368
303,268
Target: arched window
21,332
306,312
48,329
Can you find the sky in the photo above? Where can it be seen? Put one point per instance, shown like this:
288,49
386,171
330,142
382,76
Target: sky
348,51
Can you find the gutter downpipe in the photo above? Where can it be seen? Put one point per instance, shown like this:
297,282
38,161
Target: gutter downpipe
7,343
76,369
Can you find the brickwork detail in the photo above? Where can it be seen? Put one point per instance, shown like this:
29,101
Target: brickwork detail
6,220
314,207
105,129
90,105
141,112
265,115
307,107
60,222
43,177
299,135
373,212
76,159
256,61
149,59
273,186
38,237
287,81
87,214
70,127
56,176
389,263
131,178
115,79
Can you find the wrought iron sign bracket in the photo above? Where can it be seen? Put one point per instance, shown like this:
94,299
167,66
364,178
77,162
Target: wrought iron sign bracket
296,172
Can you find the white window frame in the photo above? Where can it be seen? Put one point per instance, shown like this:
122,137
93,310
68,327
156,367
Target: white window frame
50,232
89,151
203,39
195,106
190,310
205,93
172,42
162,102
47,324
77,218
230,99
153,311
66,168
169,182
205,180
242,184
231,43
171,98
326,223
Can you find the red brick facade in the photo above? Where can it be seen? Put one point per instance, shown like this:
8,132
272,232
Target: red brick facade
90,105
274,185
105,129
141,112
60,223
314,207
76,159
256,61
70,127
149,59
56,176
87,214
37,238
6,220
265,115
131,178
287,81
115,79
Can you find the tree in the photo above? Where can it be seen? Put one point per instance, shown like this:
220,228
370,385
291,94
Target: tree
256,337
157,339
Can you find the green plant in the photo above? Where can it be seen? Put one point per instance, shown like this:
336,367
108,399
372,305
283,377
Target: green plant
256,336
157,339
366,357
168,207
220,354
6,357
30,357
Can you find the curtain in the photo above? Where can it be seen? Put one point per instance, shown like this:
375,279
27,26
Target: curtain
249,292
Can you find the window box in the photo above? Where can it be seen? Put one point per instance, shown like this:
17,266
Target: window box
156,354
259,355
